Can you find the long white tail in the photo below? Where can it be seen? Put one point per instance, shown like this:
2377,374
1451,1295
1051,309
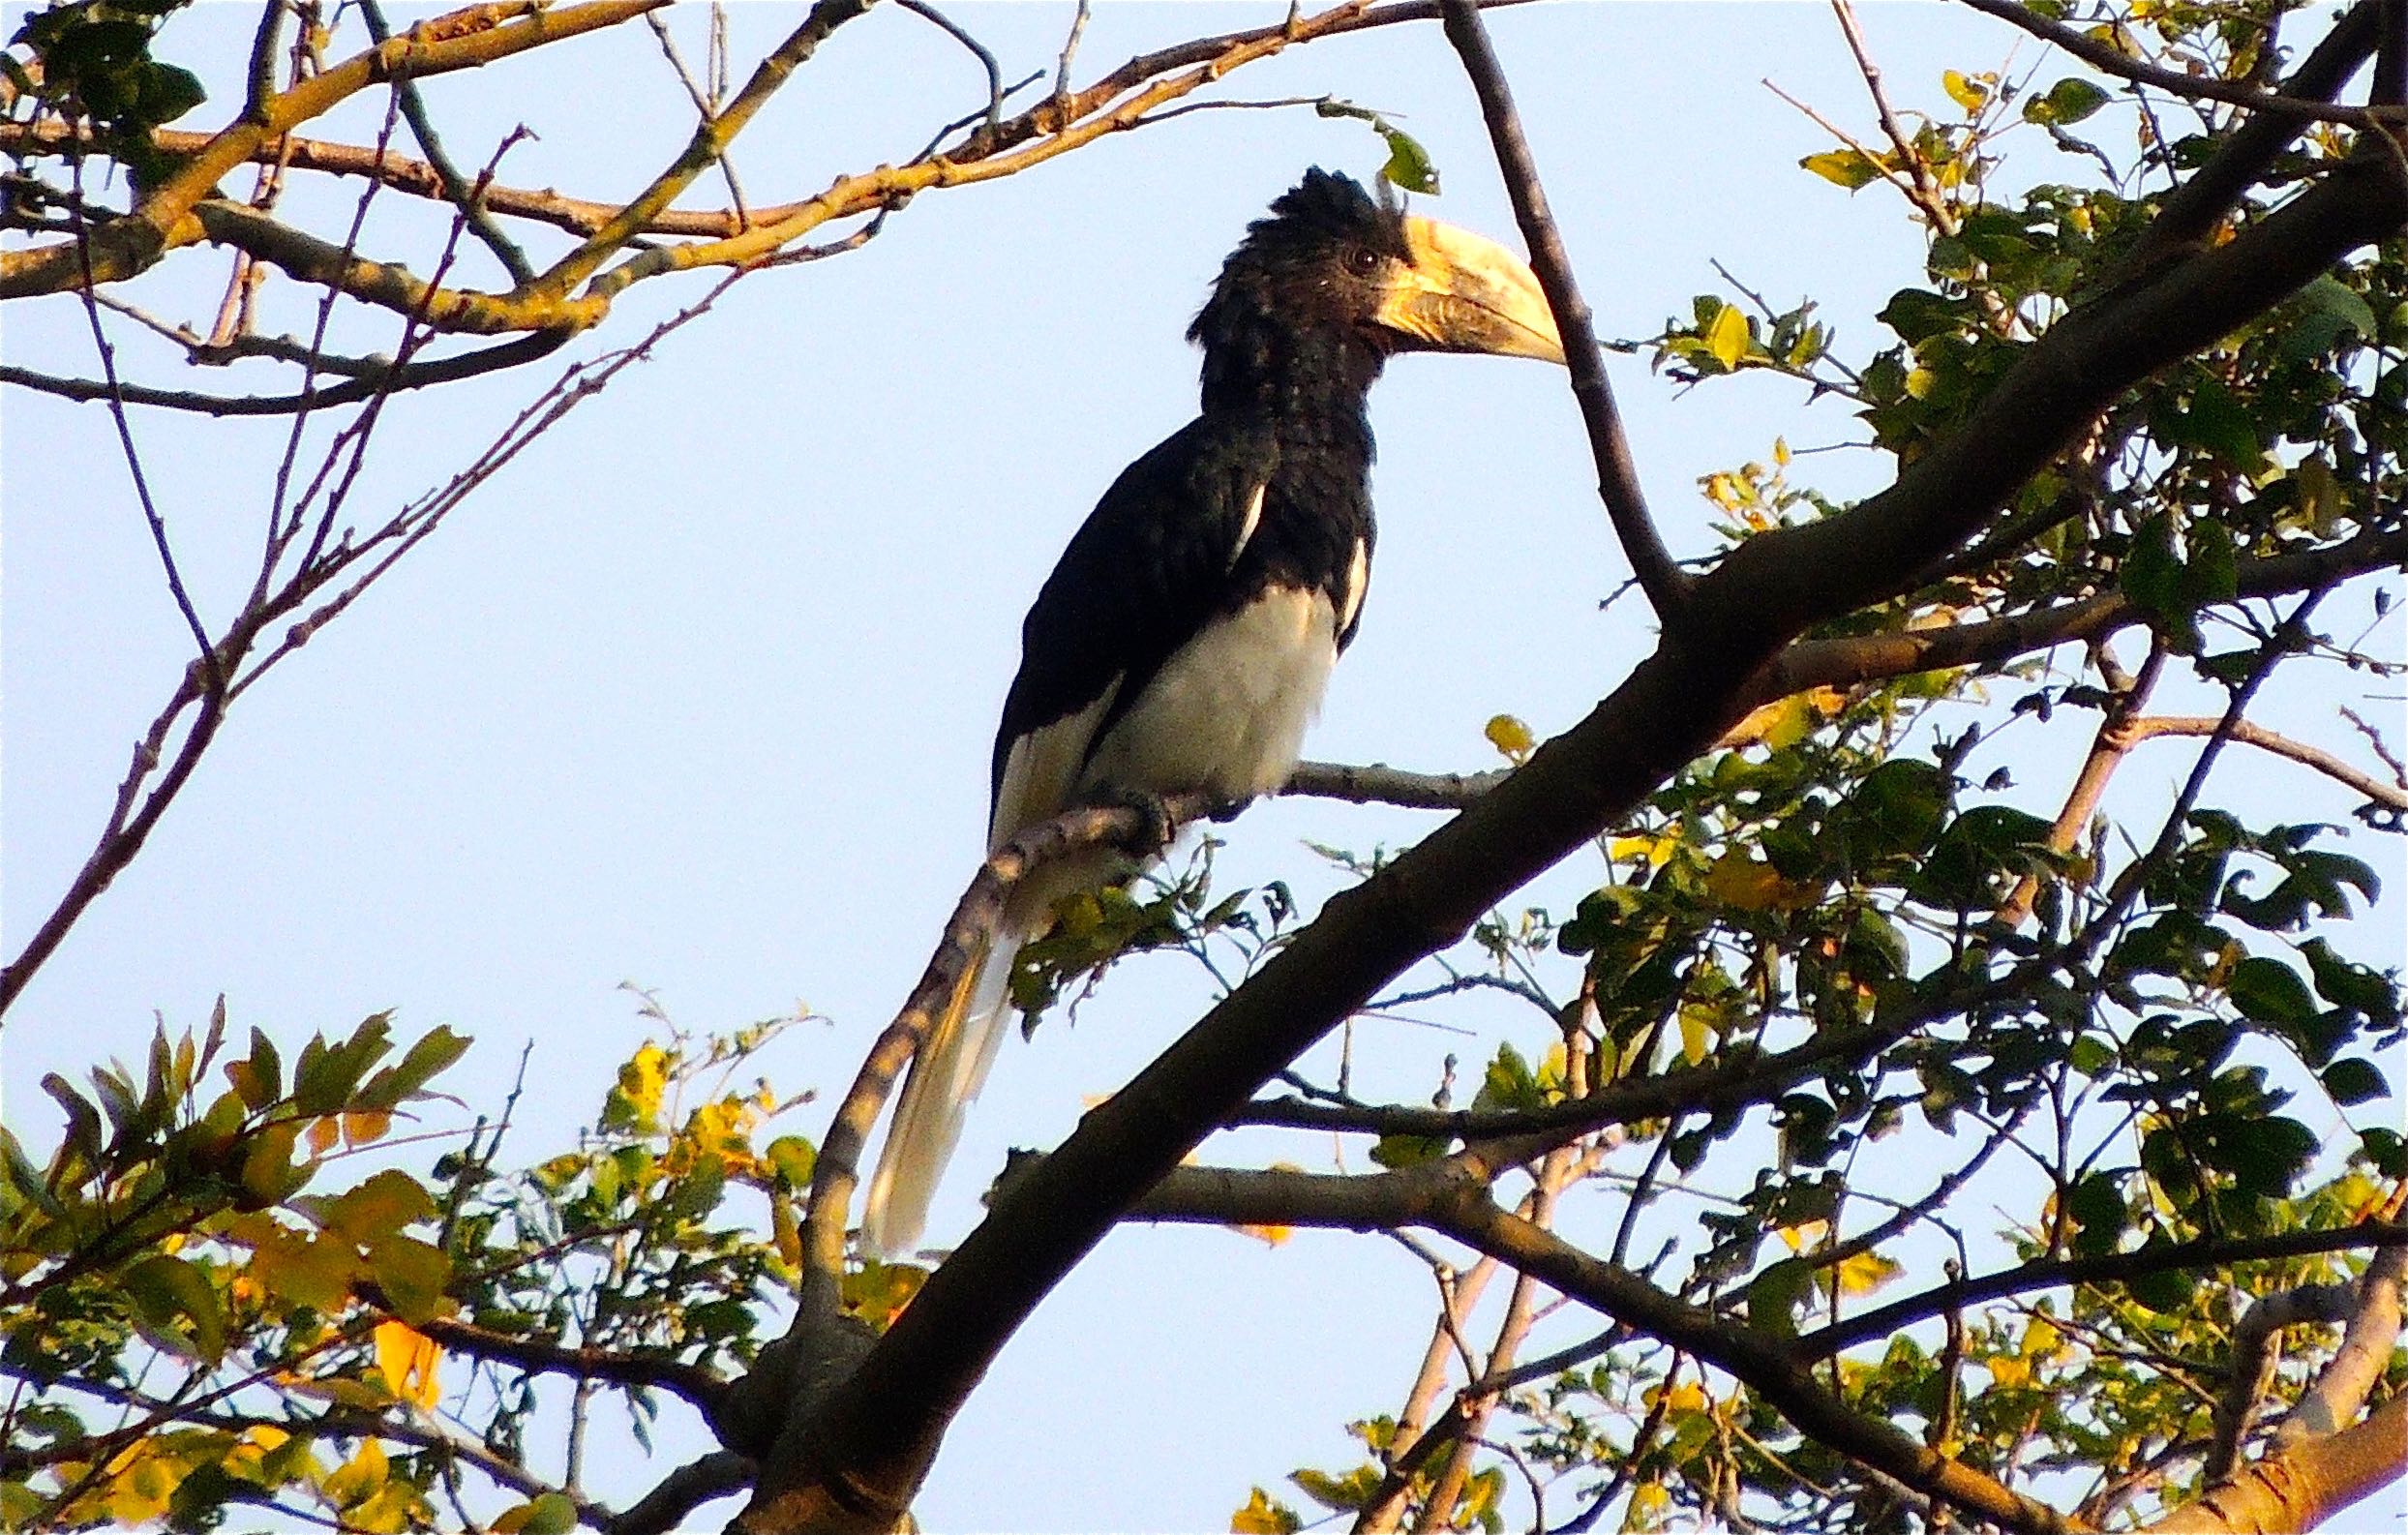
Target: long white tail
946,1076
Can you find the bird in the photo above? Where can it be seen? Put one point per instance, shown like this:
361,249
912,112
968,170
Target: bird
1184,640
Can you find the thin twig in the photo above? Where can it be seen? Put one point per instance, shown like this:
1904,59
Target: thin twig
457,189
986,57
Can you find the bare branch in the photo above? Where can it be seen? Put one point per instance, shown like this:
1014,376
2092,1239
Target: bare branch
1666,583
459,190
977,50
701,1386
466,39
2250,734
368,378
681,1491
1380,784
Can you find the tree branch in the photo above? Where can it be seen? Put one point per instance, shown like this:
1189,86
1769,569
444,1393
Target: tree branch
697,1384
2257,1339
1380,784
465,39
1666,583
2299,1488
1773,1370
2040,1274
1850,660
2250,734
378,379
681,1491
2294,109
866,1451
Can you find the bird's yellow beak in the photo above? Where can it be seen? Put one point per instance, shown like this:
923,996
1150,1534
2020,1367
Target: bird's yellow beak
1465,293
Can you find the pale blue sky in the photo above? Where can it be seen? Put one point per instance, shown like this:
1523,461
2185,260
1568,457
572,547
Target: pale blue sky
699,693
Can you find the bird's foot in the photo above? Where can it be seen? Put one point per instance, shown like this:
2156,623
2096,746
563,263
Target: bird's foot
1156,828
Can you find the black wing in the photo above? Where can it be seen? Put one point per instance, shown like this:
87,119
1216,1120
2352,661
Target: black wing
1149,567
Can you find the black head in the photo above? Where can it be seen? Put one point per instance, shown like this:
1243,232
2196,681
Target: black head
1320,293
1308,278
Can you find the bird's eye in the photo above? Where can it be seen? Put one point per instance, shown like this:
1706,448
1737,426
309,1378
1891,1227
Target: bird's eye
1362,260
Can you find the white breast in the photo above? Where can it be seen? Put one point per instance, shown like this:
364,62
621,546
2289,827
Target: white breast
1228,712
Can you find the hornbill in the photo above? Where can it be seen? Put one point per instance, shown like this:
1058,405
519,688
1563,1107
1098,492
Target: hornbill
1182,642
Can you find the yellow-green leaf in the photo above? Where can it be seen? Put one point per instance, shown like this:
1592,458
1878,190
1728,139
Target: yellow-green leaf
1727,337
1969,94
1263,1515
1697,1034
412,1274
1510,737
1846,168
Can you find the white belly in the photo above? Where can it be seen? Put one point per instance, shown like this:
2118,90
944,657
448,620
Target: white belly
1228,712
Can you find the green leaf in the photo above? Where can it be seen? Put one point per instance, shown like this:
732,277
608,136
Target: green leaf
2096,1206
2328,309
1409,166
1408,1151
2216,421
434,1053
2214,573
549,1514
2067,102
793,1159
1917,315
163,1288
2353,1081
2269,991
1773,1297
412,1274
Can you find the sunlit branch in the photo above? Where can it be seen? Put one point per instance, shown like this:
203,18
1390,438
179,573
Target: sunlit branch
2107,57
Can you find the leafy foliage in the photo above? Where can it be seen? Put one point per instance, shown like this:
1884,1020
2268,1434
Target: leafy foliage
206,1316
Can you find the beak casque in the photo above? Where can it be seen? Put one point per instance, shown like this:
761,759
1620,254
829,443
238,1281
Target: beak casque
1463,292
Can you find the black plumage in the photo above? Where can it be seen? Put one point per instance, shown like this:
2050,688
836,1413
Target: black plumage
1183,641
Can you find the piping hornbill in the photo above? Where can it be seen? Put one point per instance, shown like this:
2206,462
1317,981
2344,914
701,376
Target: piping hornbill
1182,642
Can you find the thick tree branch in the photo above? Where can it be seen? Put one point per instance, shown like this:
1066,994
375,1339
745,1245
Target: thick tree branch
863,1457
681,1491
2191,211
2299,1488
2257,1346
2370,1334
